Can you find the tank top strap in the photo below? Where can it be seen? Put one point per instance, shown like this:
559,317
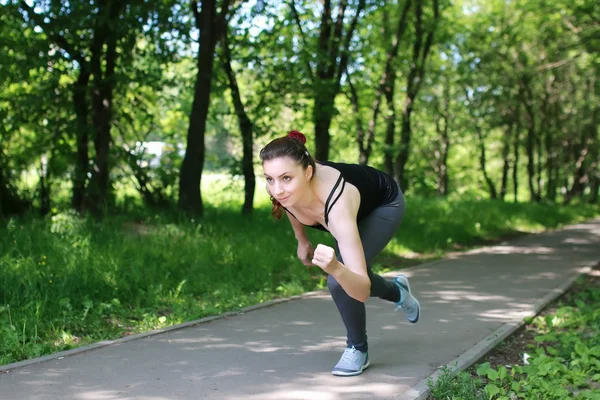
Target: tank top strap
328,206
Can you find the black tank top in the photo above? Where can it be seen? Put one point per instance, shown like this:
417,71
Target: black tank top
376,188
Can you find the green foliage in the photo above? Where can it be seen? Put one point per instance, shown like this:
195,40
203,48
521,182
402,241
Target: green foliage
441,225
449,386
564,364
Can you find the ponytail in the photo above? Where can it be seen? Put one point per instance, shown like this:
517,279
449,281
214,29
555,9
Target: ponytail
276,211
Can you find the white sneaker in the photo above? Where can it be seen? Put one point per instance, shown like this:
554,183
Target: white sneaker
408,303
353,362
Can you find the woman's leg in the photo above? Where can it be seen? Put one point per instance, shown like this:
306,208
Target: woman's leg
376,230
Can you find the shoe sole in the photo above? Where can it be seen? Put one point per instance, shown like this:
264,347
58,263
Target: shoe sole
407,284
341,373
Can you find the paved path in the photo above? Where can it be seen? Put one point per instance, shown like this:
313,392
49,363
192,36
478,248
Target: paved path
286,351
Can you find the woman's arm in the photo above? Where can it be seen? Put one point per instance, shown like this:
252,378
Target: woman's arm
305,250
352,274
299,230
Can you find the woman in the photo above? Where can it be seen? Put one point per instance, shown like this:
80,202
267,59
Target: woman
362,208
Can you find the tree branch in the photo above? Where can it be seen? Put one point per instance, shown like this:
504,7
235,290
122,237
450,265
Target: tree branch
345,49
302,37
57,38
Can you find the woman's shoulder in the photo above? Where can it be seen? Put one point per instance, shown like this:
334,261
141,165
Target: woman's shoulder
332,183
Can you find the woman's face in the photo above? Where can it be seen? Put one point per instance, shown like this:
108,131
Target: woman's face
287,181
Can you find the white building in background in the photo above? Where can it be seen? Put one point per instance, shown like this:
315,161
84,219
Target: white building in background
153,152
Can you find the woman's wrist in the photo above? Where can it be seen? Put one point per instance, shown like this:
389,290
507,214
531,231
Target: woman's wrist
303,240
336,269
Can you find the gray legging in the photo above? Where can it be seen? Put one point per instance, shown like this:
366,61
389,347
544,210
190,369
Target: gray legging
376,230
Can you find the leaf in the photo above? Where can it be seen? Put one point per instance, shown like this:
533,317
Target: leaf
550,337
492,390
515,386
482,369
492,374
553,351
581,349
502,373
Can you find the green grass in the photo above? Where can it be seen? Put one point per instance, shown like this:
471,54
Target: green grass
564,359
67,281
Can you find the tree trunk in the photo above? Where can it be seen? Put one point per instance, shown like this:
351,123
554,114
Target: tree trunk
508,133
594,169
404,152
413,85
246,129
363,150
588,146
390,130
82,159
527,100
482,163
44,186
516,144
322,116
579,175
105,37
10,202
332,59
385,83
443,141
211,26
548,130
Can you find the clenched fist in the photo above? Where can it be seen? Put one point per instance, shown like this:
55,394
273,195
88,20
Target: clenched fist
305,253
324,258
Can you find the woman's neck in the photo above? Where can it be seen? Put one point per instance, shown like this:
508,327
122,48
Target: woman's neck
310,202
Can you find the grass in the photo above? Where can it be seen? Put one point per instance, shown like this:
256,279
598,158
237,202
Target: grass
67,281
563,348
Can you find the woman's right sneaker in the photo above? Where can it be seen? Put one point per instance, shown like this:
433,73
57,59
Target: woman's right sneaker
353,362
408,303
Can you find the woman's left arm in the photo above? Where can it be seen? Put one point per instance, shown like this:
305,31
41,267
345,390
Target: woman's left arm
352,274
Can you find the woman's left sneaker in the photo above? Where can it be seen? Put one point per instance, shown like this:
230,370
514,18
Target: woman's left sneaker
408,303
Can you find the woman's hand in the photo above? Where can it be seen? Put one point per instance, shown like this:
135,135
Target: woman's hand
324,258
305,253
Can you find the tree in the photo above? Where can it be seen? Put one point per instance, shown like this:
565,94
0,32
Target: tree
330,60
212,25
421,48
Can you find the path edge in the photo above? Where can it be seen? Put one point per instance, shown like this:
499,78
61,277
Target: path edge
105,343
420,391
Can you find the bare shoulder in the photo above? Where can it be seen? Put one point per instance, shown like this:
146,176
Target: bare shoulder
343,205
326,187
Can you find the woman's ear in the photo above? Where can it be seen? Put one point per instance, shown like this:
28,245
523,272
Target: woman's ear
309,172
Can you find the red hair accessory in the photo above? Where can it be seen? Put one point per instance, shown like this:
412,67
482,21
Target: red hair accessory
298,136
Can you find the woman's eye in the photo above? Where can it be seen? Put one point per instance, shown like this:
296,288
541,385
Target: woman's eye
287,178
269,180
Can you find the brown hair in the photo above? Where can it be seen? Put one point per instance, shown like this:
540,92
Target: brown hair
292,146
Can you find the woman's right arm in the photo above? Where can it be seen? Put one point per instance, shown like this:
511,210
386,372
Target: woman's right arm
305,249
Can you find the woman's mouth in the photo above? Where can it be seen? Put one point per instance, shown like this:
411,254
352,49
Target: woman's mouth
284,198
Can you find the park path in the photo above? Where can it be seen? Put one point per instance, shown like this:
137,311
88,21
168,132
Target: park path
286,350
